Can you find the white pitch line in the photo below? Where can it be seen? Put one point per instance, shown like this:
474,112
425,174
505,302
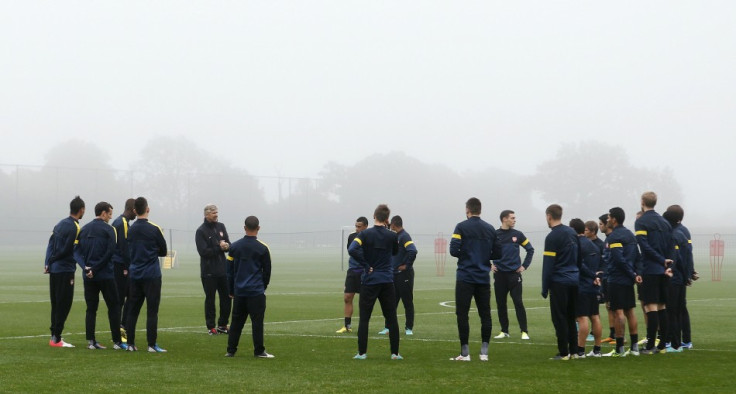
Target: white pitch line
303,293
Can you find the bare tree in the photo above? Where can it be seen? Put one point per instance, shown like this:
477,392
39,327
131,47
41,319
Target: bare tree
588,178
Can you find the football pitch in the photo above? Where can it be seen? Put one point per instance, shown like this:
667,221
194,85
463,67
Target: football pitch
304,308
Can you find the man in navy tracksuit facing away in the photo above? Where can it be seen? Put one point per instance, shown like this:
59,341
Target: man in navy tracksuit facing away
121,260
686,255
249,274
681,274
60,266
403,265
507,273
146,244
586,306
474,243
560,277
373,249
97,244
654,236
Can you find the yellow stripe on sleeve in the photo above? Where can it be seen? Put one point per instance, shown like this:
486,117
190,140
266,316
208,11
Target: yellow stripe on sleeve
125,227
551,254
230,258
525,242
408,243
358,241
641,232
616,245
159,227
677,247
457,236
264,244
689,241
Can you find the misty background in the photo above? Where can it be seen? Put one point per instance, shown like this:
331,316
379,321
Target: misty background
309,114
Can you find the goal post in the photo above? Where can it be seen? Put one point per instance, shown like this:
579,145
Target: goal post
344,232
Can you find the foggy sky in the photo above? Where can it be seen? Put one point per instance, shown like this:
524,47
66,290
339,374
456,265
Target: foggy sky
281,88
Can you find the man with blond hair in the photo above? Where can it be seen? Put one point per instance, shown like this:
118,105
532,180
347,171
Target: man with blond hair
654,236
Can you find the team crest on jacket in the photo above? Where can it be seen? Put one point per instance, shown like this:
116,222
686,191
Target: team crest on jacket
513,239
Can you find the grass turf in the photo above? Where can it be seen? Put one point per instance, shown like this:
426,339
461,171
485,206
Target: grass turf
304,310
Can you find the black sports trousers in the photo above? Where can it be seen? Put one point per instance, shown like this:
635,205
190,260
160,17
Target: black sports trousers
148,290
505,283
218,284
61,291
385,294
121,282
255,307
464,293
562,300
92,290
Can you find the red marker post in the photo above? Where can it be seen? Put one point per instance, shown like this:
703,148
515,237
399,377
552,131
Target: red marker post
440,253
716,257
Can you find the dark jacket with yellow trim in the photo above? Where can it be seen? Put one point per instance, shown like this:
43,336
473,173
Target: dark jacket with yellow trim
623,254
353,264
145,244
510,260
561,261
681,270
249,267
590,259
60,250
654,236
121,255
97,243
474,243
373,248
406,254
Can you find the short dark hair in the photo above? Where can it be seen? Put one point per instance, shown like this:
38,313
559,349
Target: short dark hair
618,214
473,206
252,223
397,221
555,211
102,206
677,211
140,205
76,205
363,220
578,225
505,213
670,217
130,204
592,226
382,213
603,218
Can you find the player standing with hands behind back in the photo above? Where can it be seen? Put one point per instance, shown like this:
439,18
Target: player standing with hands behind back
475,244
60,266
146,243
249,273
373,249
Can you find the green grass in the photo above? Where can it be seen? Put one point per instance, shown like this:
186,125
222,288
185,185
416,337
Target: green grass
305,309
